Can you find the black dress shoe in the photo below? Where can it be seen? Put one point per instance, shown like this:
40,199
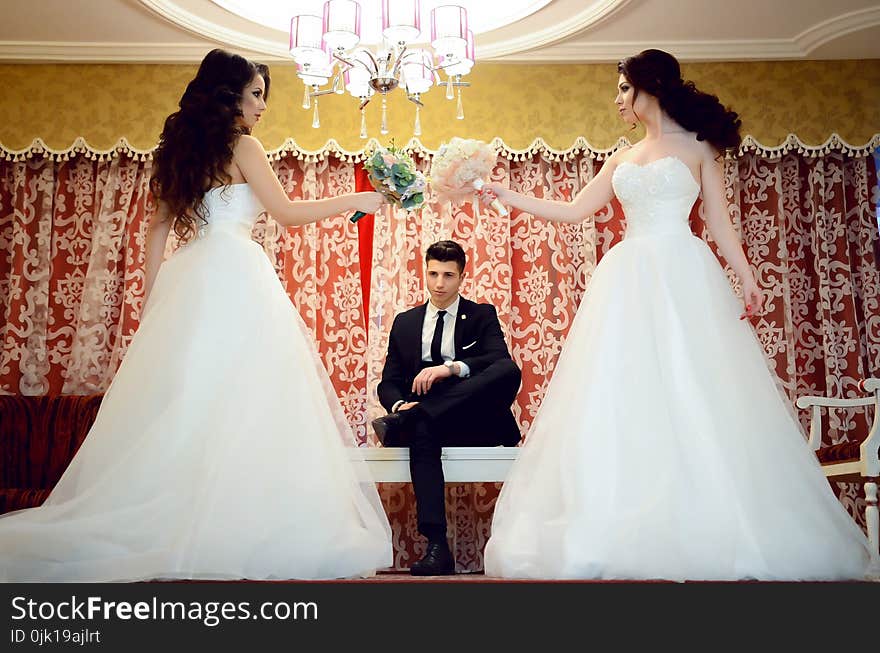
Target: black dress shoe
389,429
438,561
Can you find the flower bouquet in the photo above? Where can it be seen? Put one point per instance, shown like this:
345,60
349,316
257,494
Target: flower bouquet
393,173
461,167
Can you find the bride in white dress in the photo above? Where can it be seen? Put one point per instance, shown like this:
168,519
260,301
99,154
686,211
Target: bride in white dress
220,450
663,447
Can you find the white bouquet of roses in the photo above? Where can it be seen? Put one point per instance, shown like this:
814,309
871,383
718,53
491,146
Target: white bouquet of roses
461,167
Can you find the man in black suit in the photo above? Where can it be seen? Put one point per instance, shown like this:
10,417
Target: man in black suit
448,380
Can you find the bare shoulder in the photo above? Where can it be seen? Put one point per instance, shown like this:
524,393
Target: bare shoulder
621,155
248,158
707,155
618,157
247,145
162,215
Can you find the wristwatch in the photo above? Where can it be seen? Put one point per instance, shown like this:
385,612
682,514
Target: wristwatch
449,365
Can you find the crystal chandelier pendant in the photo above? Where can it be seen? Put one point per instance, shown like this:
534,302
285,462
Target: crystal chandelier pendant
332,58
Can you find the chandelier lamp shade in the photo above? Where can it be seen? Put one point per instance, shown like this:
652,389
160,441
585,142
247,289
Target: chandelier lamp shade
331,58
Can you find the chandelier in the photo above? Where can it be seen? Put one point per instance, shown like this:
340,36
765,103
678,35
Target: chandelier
328,53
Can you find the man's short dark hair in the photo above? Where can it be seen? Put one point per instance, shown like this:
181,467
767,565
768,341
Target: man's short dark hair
446,250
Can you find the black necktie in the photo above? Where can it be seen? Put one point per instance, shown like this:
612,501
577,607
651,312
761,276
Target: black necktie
436,356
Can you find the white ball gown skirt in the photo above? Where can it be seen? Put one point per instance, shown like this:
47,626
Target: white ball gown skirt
663,447
220,450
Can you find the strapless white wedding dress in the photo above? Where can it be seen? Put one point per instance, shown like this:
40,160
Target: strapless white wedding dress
663,447
220,450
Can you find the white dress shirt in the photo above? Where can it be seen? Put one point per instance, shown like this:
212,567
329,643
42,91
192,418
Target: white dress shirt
447,344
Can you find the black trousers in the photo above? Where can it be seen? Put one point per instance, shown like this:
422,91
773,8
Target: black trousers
458,412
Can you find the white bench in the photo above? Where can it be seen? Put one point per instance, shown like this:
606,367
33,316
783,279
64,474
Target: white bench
460,464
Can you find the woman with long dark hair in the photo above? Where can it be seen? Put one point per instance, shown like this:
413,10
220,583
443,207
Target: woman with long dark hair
663,447
220,449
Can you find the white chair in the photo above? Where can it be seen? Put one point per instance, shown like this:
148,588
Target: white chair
851,461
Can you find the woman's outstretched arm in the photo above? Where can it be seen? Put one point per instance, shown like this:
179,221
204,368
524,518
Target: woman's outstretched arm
250,157
591,199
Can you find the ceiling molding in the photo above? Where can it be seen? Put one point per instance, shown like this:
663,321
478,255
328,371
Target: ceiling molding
837,27
270,50
198,26
565,42
103,52
591,15
683,50
798,47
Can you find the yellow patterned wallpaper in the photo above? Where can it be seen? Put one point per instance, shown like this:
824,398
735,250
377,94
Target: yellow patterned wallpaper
518,103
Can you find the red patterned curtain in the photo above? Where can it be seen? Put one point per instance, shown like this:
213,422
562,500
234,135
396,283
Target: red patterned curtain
71,256
71,277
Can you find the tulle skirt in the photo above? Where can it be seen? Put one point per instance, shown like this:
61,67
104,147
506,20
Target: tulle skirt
664,447
220,449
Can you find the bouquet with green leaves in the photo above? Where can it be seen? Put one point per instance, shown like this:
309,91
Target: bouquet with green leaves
393,173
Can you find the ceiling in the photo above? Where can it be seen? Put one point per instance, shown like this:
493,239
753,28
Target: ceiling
562,31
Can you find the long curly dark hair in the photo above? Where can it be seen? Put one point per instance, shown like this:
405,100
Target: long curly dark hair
195,148
658,73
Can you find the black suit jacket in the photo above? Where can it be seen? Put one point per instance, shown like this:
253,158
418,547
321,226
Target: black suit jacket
479,342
